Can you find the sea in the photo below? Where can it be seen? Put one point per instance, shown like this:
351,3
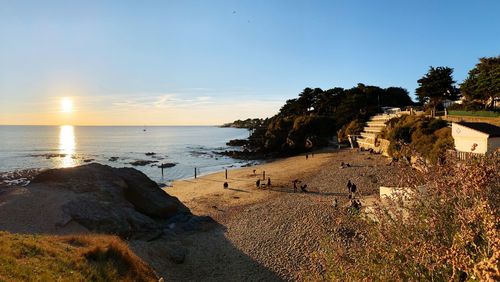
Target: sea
145,148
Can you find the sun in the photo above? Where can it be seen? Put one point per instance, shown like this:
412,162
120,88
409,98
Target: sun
66,105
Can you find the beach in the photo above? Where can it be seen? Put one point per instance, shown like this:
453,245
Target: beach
267,234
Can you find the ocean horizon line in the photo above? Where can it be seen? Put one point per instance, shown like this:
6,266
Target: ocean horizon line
121,125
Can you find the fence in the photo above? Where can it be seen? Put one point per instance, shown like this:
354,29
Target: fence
464,155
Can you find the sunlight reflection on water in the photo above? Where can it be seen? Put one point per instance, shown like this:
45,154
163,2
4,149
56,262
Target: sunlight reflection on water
67,145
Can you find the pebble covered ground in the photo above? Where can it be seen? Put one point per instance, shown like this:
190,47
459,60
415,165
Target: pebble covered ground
282,232
274,239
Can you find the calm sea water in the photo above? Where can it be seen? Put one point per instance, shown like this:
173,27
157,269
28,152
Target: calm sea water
23,147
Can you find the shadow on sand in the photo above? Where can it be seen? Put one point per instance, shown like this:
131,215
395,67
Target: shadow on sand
209,256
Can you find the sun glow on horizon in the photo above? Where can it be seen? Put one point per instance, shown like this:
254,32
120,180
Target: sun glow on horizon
66,105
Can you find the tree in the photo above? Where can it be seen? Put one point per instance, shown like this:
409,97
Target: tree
435,86
483,82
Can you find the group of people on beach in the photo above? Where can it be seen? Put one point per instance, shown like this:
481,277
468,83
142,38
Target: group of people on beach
303,187
258,183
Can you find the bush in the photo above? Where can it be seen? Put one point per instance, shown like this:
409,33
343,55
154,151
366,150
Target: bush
429,138
449,232
355,127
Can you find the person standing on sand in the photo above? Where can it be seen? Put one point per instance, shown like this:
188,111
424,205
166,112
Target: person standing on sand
349,184
295,185
269,183
257,183
353,190
335,203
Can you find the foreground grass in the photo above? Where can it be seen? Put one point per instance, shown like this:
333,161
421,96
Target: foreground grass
69,258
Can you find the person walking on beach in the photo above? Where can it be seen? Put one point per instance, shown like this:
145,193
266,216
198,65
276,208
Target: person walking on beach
295,185
257,183
349,184
353,190
269,183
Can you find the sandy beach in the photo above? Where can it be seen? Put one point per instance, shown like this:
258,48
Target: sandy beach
267,234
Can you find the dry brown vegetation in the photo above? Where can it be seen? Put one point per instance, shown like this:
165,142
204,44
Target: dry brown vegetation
447,233
69,258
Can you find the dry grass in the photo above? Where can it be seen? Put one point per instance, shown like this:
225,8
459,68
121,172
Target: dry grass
69,258
447,233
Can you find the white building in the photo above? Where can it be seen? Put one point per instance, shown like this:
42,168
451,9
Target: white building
476,137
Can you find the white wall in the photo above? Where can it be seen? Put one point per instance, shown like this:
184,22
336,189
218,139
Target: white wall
466,139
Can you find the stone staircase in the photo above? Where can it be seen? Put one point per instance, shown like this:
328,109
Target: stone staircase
373,127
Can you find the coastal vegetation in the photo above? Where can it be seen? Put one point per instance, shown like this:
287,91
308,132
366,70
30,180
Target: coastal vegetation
249,123
473,113
436,86
72,258
483,83
310,120
447,232
426,137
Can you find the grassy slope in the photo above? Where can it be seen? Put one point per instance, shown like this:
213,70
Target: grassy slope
69,258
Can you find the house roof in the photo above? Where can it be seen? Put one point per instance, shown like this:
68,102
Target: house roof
490,129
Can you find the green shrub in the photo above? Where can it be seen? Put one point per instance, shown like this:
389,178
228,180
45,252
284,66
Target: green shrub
428,137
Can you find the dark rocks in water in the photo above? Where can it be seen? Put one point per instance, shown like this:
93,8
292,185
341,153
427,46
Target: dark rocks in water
88,160
237,142
243,155
120,201
49,155
150,154
113,159
142,162
166,165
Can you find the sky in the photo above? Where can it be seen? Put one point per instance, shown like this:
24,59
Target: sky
210,62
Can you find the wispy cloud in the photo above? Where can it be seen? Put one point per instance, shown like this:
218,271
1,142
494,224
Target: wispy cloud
160,101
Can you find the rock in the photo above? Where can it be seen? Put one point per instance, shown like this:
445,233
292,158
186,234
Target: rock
150,154
120,201
113,159
176,252
147,197
198,223
142,162
237,142
167,165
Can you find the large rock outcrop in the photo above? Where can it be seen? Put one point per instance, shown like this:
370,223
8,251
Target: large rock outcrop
121,201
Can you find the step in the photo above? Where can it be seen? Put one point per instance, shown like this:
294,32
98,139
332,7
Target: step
369,135
376,123
366,140
375,129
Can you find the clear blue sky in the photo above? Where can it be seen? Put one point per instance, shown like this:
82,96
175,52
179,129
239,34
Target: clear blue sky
207,62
